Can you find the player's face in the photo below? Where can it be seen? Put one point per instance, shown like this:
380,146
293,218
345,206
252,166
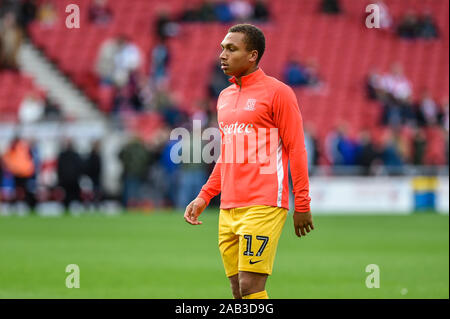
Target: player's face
235,60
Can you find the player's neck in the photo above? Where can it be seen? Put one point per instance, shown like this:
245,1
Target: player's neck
249,71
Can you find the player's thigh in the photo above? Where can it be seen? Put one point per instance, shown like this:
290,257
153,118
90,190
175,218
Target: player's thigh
259,233
228,243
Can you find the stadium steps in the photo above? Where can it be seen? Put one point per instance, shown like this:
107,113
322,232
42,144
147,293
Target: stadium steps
60,89
14,86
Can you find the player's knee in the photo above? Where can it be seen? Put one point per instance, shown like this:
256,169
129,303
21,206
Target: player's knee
235,289
247,285
250,283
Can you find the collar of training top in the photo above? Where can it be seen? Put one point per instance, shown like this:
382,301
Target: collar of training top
251,78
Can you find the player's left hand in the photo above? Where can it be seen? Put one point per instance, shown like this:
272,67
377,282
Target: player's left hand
303,223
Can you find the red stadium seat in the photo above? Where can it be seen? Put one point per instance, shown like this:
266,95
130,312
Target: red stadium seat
344,48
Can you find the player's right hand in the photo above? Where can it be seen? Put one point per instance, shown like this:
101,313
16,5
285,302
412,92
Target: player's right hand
193,210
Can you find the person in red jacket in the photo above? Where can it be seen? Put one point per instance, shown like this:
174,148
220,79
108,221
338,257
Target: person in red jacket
261,129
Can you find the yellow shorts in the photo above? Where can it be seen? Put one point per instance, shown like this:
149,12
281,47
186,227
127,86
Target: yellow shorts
248,238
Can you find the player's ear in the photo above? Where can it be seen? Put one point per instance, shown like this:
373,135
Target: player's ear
253,56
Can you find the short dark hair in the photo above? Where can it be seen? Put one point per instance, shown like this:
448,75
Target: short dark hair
254,38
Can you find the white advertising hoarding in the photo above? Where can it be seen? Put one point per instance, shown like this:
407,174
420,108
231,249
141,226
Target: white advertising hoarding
391,195
442,197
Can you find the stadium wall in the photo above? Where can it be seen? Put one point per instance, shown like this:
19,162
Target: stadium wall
384,195
329,194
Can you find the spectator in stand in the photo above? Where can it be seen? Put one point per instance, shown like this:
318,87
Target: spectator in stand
444,118
312,146
241,10
93,169
122,101
206,11
427,27
19,162
330,6
157,178
47,14
160,62
226,11
69,171
164,103
100,13
10,41
217,82
192,175
222,11
391,153
117,60
409,26
397,112
446,142
137,99
340,147
396,83
8,6
171,172
126,60
2,174
409,117
419,145
331,149
165,26
32,184
27,13
366,152
260,11
295,74
145,90
373,84
190,13
6,184
312,69
105,64
298,74
347,148
31,109
128,98
203,112
52,111
134,157
392,111
427,110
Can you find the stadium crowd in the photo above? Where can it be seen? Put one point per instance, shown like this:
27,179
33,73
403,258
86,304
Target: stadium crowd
149,177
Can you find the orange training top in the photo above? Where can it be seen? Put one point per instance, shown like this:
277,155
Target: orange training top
261,129
18,160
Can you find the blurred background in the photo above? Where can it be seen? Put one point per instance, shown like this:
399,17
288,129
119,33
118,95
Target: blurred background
86,113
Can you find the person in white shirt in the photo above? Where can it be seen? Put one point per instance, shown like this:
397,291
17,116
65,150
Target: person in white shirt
396,83
31,109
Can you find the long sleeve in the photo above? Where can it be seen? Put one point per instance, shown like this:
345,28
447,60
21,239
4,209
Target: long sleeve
213,185
288,119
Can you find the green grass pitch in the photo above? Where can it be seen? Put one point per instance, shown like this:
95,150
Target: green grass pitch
160,256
